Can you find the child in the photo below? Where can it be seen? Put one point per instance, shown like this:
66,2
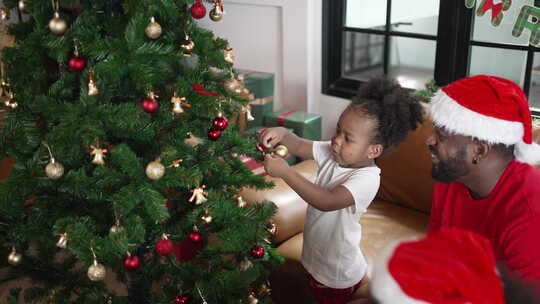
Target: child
377,120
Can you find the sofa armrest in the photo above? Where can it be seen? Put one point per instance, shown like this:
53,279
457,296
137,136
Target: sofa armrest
291,212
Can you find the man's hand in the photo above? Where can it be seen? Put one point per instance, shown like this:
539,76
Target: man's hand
275,166
272,136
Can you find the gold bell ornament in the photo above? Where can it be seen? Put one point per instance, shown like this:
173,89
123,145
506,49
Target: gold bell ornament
187,46
155,169
199,195
57,25
54,169
92,87
216,13
178,104
153,29
241,202
228,56
14,258
206,217
247,111
98,155
62,242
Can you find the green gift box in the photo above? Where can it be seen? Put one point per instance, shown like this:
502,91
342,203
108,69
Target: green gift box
260,84
304,124
260,107
261,87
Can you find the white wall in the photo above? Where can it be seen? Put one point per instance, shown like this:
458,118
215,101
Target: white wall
269,36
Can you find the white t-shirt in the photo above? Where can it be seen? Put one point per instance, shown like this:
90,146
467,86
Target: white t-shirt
331,251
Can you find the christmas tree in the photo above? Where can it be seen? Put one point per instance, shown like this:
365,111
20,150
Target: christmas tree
125,162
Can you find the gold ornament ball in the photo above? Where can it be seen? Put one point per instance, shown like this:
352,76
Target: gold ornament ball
96,272
281,151
22,6
116,229
216,15
54,170
155,170
153,30
252,299
58,25
14,258
230,84
4,14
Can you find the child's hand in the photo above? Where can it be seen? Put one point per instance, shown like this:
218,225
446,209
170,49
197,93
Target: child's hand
275,166
271,136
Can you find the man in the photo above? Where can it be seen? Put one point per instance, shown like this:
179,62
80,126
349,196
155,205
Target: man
482,151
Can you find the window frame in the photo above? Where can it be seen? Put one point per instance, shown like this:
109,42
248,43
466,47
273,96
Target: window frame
453,46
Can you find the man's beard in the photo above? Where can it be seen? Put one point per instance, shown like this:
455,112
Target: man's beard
451,169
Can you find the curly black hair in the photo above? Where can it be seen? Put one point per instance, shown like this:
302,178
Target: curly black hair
396,111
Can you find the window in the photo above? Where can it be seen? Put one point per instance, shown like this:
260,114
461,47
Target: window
440,40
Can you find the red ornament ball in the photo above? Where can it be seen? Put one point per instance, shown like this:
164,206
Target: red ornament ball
261,147
198,11
195,237
181,300
214,134
77,64
220,123
164,247
131,263
150,105
257,252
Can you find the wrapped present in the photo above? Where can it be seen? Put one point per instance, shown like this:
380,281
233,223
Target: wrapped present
304,124
260,86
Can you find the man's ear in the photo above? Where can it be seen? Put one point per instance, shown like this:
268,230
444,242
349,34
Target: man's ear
375,151
480,149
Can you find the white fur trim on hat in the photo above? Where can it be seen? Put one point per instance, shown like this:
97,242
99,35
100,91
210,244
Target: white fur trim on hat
529,154
449,114
384,287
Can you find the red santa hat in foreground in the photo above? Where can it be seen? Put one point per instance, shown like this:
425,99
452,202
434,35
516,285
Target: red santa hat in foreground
451,266
489,108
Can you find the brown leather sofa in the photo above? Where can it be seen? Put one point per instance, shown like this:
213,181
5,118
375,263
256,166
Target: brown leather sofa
399,211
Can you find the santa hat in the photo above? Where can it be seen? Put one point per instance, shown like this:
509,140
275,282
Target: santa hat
489,108
451,266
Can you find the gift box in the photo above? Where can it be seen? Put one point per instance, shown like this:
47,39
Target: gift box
261,88
304,124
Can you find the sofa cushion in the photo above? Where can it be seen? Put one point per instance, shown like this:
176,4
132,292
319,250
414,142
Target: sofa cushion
406,172
292,208
382,224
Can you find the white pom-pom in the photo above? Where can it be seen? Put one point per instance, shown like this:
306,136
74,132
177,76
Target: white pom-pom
529,154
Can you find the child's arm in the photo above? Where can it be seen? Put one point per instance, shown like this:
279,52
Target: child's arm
322,199
296,145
